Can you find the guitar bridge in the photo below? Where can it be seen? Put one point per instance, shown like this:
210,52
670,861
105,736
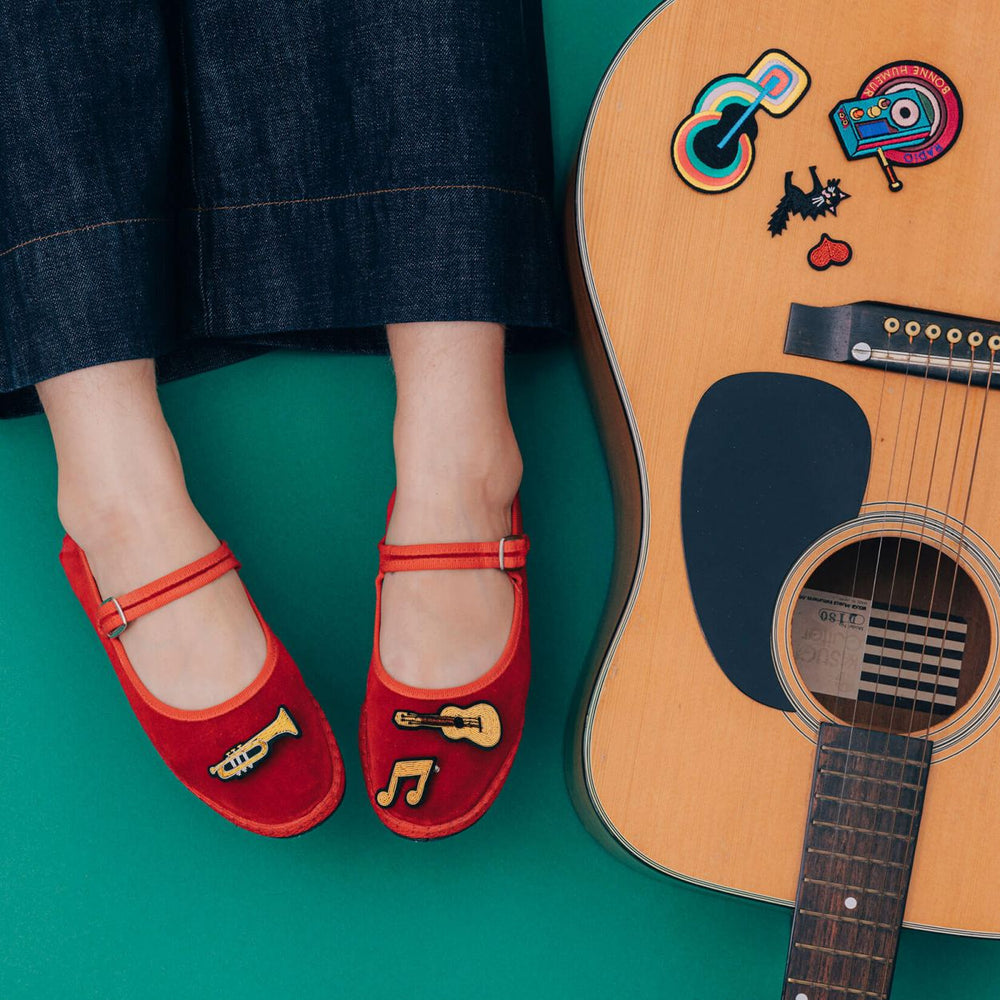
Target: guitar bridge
895,338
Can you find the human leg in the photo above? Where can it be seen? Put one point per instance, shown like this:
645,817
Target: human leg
458,469
123,499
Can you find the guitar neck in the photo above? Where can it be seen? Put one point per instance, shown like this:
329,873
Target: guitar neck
442,721
867,797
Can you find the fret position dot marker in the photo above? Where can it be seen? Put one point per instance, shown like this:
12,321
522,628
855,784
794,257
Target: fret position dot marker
851,903
801,996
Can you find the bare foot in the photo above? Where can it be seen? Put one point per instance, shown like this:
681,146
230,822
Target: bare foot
123,500
201,649
444,628
458,468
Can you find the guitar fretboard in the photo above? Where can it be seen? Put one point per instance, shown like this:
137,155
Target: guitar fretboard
867,795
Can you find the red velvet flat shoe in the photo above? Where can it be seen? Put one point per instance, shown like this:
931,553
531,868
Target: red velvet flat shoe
435,759
266,758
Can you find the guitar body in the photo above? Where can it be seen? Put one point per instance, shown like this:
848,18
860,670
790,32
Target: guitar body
479,723
745,474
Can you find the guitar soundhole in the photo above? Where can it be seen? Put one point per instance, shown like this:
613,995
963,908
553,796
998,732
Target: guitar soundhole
891,634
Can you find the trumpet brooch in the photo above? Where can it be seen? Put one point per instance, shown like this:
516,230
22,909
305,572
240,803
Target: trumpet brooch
244,756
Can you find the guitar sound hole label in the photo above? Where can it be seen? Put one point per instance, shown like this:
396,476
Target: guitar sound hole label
828,636
850,647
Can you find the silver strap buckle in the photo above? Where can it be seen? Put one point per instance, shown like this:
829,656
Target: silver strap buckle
115,632
506,538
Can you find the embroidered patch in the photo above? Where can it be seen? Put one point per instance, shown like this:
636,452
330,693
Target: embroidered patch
713,148
479,723
403,770
822,200
906,114
830,253
244,756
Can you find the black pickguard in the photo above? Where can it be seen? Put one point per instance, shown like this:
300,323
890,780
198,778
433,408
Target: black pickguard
771,462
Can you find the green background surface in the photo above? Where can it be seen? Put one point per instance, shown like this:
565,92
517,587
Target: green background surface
118,883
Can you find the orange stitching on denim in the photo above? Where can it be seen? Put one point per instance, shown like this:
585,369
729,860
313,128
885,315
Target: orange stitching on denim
365,194
78,229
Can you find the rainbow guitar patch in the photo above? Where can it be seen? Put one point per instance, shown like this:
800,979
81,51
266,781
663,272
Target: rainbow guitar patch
713,148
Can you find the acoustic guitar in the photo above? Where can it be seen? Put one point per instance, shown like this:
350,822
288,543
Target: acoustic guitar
786,246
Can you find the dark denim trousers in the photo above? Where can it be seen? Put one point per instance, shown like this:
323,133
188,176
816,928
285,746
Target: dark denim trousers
199,180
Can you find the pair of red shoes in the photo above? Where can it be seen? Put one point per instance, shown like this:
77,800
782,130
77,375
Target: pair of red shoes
266,759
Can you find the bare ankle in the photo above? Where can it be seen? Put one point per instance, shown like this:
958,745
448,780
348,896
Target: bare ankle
484,463
450,502
94,510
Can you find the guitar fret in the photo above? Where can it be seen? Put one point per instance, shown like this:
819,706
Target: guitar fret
840,989
850,888
849,920
840,951
868,805
905,761
857,857
858,829
866,777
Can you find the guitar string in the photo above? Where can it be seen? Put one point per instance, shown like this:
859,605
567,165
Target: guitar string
963,524
881,538
860,546
911,845
857,559
939,559
914,582
869,729
924,522
924,510
878,811
878,557
899,542
906,503
897,907
892,464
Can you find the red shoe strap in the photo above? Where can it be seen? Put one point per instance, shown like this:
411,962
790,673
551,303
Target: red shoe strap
117,613
509,553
